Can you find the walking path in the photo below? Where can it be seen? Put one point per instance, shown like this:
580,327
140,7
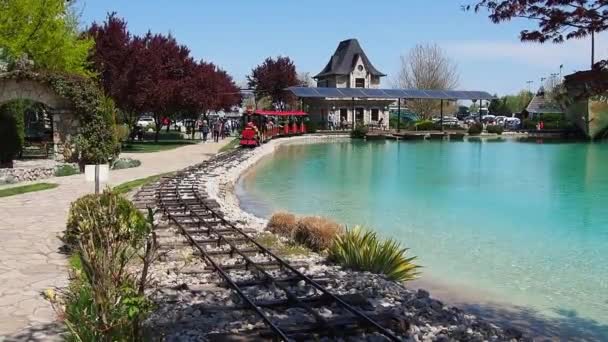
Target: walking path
30,261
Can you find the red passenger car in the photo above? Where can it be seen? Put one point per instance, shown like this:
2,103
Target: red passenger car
271,124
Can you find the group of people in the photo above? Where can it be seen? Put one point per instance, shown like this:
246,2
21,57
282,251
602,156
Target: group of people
219,128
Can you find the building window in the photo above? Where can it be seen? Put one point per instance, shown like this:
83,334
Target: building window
375,114
359,82
343,114
360,68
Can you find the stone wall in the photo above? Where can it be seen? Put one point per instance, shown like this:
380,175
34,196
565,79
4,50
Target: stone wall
11,176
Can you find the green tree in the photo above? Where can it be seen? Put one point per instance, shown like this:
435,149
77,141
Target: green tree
11,131
44,31
517,103
500,107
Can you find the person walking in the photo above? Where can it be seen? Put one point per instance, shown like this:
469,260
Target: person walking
216,130
227,129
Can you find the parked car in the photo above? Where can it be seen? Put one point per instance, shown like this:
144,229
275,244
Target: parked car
512,123
488,118
500,120
145,121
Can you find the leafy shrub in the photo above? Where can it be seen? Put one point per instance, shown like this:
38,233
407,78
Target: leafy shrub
362,250
105,300
83,316
316,233
529,124
359,132
11,131
475,129
108,211
283,224
66,170
425,125
96,143
553,117
122,133
494,129
125,163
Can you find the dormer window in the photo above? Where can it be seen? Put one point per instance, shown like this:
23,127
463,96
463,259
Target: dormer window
360,67
359,82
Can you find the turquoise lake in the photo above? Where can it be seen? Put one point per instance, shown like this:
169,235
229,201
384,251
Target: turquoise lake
526,222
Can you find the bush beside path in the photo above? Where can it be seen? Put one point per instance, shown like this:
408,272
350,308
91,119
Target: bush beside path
30,259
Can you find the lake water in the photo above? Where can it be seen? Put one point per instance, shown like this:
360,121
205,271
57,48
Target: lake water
524,222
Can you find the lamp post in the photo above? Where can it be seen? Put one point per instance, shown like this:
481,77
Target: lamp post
398,115
441,114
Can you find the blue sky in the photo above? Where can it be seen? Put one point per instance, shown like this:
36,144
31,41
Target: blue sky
239,34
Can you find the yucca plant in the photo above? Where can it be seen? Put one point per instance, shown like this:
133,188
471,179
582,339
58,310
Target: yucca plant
362,250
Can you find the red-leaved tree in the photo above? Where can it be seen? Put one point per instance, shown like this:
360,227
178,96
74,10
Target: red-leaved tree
118,59
271,78
558,20
154,74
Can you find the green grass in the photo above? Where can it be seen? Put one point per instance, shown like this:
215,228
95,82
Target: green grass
231,145
27,188
273,242
151,146
134,184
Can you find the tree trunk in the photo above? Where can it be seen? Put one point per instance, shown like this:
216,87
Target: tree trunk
157,133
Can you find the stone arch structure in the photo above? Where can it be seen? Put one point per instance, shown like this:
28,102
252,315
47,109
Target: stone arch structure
65,123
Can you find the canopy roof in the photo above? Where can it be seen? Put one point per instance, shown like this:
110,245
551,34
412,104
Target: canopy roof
280,113
368,93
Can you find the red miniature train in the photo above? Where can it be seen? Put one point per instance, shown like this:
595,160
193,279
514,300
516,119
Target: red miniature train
263,125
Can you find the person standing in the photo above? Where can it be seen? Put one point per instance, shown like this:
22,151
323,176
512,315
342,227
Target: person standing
204,130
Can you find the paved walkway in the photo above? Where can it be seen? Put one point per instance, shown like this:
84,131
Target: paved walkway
29,226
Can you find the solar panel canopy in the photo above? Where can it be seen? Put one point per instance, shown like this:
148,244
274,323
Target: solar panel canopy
370,93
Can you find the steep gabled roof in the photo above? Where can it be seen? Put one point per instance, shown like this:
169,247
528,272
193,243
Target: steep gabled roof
542,105
343,60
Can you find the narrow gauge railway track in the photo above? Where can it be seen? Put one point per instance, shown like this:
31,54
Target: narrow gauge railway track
228,249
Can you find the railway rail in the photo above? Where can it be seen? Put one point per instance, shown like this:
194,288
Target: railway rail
229,251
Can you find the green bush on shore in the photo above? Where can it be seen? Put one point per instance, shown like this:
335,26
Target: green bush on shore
475,129
425,125
494,129
359,132
362,250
